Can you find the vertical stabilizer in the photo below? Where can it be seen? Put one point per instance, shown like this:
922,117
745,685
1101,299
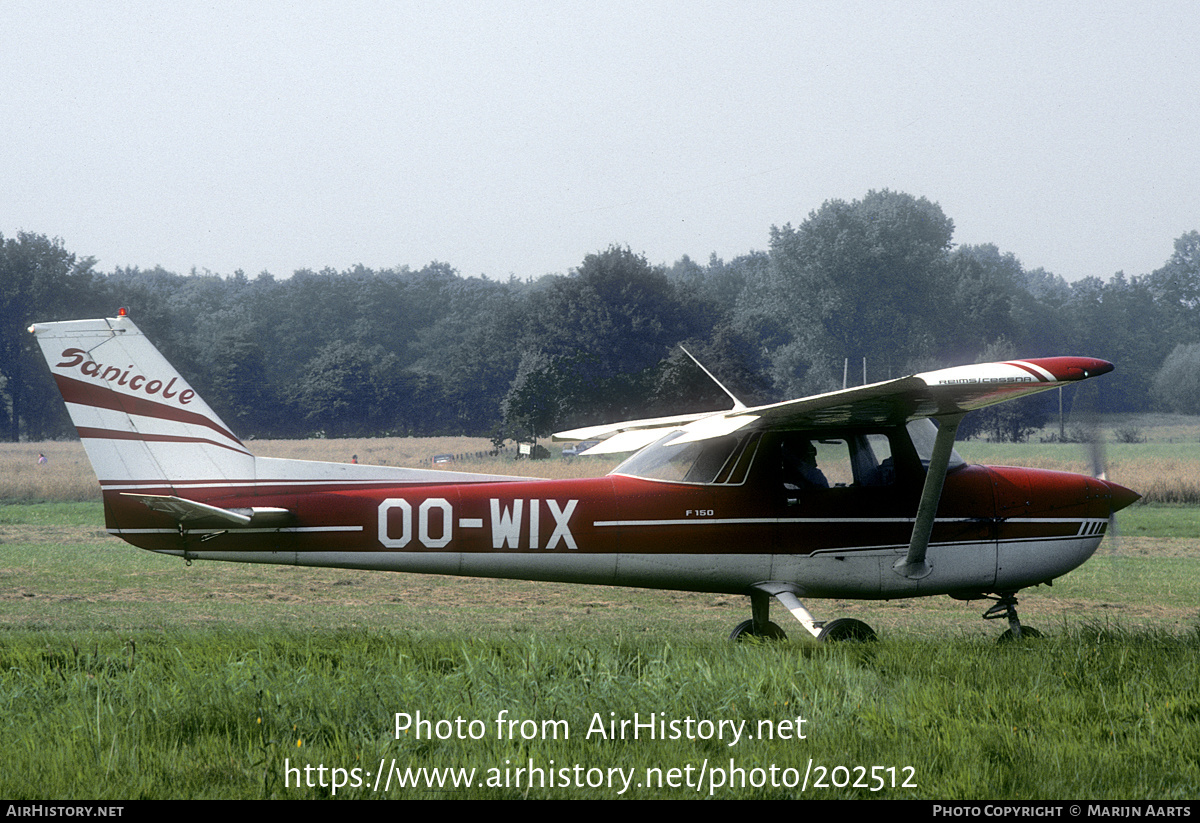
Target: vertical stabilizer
141,423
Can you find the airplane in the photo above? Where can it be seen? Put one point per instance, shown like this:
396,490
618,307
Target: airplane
852,494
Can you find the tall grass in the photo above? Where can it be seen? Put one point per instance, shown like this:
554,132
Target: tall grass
1094,714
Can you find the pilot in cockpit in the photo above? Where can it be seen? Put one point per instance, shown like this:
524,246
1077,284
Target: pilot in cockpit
799,461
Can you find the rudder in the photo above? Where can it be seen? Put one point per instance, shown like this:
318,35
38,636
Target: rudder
143,427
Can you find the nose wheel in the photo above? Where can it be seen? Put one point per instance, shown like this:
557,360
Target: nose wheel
1006,607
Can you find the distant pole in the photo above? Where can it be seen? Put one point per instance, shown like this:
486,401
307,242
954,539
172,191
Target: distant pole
1061,431
864,371
845,372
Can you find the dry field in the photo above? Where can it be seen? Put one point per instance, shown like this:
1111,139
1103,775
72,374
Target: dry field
67,476
1164,469
1166,473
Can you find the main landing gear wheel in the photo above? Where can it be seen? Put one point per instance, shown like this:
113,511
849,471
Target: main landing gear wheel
768,631
847,628
844,628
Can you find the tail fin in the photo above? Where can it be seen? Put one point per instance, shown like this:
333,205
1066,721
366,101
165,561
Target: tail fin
142,425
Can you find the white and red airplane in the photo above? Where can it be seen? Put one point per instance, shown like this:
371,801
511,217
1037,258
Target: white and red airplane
853,494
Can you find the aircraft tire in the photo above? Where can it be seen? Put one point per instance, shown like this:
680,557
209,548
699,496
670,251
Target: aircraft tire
847,628
745,629
1027,633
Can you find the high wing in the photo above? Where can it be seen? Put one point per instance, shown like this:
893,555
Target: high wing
945,394
939,393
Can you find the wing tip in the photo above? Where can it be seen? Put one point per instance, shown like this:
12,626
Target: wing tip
1071,368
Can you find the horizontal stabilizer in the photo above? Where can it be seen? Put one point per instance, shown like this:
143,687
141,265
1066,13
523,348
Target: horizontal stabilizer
186,511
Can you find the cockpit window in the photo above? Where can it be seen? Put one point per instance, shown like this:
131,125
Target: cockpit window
803,459
809,461
714,460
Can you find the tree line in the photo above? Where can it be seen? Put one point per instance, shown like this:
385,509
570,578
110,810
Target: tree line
875,284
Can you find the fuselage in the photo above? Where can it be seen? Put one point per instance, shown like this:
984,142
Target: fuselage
996,529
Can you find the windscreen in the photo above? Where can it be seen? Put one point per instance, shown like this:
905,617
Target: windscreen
696,461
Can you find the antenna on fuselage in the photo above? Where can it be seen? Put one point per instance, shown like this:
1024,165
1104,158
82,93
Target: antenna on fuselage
738,405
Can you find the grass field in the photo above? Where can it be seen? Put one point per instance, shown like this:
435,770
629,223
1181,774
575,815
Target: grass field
129,675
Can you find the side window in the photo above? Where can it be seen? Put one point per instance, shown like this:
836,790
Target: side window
874,464
810,461
833,459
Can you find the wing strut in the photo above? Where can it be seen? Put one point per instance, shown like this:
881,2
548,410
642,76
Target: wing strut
914,564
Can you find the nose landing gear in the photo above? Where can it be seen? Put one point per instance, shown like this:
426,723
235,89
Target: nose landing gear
1006,607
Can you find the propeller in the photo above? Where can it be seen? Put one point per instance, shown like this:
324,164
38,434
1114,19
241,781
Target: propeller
1090,435
1097,454
1121,496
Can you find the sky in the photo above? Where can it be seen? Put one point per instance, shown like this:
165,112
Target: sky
515,138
